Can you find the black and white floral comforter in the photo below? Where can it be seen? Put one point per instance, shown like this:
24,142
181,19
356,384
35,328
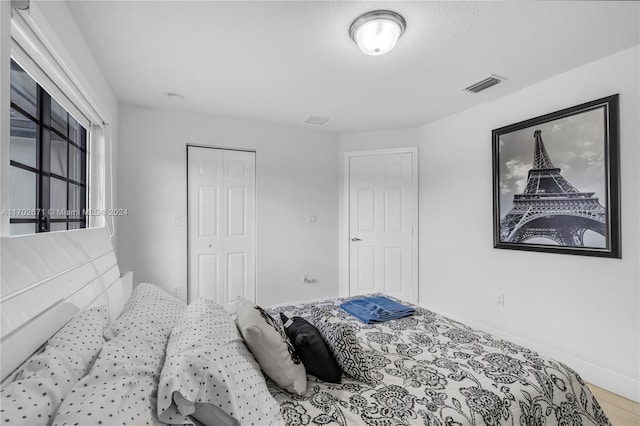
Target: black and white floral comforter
428,369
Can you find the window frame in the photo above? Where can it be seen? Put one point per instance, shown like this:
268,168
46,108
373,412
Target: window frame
44,130
35,46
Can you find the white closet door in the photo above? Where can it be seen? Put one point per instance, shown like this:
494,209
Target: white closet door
382,222
221,201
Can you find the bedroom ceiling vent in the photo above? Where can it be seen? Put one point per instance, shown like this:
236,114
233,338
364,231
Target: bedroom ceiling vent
317,121
481,85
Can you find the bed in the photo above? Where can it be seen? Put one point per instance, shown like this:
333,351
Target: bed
159,361
428,369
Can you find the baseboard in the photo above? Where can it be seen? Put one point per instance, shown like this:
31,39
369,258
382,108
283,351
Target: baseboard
592,373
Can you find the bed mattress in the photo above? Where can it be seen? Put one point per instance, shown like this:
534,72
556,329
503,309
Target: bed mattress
428,369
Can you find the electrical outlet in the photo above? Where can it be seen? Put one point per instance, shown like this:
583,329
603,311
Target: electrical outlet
501,300
311,219
177,292
306,278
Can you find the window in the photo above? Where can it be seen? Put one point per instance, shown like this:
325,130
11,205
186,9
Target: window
48,161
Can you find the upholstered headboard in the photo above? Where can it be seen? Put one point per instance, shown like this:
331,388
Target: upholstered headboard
48,278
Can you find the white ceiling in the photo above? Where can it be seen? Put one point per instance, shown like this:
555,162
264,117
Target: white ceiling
281,62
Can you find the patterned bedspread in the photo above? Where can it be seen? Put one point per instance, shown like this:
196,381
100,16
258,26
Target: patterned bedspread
428,369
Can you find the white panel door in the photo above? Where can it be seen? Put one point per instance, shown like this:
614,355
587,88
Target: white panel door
221,201
383,225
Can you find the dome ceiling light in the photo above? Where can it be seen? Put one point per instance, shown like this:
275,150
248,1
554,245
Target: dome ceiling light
377,32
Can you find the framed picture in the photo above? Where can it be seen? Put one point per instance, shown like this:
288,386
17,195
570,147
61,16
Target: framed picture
556,182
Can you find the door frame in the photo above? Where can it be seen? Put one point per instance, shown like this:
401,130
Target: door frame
255,218
344,232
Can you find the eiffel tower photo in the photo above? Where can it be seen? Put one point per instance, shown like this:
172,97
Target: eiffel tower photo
550,207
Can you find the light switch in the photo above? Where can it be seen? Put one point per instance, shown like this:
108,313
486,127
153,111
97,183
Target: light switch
311,219
177,220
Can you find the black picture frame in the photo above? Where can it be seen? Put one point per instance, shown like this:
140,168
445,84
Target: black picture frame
556,182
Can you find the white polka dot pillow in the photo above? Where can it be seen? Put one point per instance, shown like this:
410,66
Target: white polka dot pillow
341,338
270,345
148,302
210,374
122,385
82,338
46,378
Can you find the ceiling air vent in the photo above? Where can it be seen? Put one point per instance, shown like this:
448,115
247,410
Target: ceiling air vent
481,85
318,121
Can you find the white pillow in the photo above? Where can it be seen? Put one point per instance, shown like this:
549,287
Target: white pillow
270,346
47,377
122,384
148,302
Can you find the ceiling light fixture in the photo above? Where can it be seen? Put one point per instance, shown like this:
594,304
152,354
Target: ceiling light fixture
377,32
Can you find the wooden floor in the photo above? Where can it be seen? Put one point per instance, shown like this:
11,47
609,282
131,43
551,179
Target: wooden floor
621,411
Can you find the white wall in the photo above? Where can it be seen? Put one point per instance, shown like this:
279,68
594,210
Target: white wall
580,310
296,174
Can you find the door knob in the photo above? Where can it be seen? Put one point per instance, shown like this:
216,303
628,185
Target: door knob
355,239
